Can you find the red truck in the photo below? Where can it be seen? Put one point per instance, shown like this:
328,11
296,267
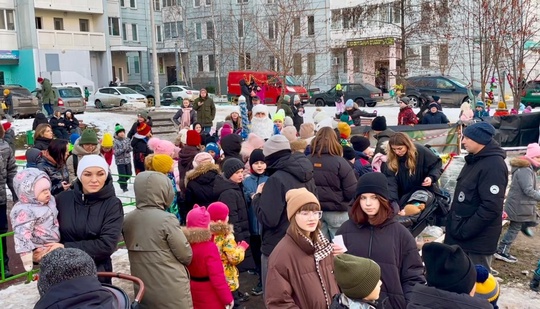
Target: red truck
270,83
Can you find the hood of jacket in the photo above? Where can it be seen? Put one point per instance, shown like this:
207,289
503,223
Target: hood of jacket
195,235
154,190
106,192
68,111
296,164
186,155
201,170
24,184
231,145
80,151
430,297
42,143
41,116
491,149
386,133
221,184
221,228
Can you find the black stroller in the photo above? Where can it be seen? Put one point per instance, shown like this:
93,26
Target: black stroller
120,295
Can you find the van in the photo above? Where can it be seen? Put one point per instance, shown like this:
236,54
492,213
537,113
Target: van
271,85
23,102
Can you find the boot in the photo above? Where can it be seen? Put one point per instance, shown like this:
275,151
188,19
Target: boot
535,283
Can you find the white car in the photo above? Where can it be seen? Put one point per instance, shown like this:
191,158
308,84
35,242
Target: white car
117,96
184,92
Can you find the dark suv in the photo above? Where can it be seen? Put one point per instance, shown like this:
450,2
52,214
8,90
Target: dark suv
452,91
361,93
148,93
531,93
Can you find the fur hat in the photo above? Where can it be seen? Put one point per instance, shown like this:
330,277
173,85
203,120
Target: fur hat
218,211
143,129
92,161
480,132
193,138
202,157
231,166
356,276
118,128
360,143
107,141
161,146
296,198
375,183
307,130
198,217
344,129
276,143
162,163
289,133
88,136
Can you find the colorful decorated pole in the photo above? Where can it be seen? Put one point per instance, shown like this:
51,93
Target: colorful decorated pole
244,114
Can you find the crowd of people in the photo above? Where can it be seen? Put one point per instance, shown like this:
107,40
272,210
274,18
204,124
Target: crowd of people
308,208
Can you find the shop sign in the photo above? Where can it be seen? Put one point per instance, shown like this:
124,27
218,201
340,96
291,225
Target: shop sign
9,54
371,42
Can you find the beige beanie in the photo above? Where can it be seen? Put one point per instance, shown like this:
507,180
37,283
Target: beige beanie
296,198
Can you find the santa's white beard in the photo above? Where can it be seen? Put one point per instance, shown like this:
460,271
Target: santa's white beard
263,127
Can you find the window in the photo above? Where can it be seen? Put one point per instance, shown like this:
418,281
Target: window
425,12
297,64
128,71
200,63
196,3
157,5
244,61
357,62
272,63
198,31
311,64
311,25
443,54
133,4
134,32
272,30
425,56
242,1
296,26
208,2
161,65
336,20
124,32
120,74
114,26
240,28
159,36
58,24
169,3
270,1
123,3
211,63
209,30
84,25
39,23
395,13
137,64
174,30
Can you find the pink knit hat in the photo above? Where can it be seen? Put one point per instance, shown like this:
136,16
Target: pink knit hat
533,150
160,146
251,143
198,217
218,211
201,158
226,129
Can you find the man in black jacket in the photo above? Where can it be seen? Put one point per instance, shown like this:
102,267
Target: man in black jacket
382,134
475,218
287,171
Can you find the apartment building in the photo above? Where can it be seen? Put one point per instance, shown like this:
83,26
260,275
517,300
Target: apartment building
11,66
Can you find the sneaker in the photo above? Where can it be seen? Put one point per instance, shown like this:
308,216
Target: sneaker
242,297
494,272
252,272
527,231
505,257
257,291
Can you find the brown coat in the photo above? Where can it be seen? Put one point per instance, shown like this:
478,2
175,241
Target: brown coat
293,280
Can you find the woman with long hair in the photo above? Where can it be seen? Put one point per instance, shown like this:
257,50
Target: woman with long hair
43,136
372,232
410,166
300,268
53,162
334,178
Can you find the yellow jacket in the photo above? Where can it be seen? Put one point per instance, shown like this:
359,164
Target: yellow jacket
231,254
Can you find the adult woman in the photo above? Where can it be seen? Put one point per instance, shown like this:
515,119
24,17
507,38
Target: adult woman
236,121
410,166
90,216
72,124
206,110
53,162
58,125
43,136
300,269
372,232
198,127
334,178
158,249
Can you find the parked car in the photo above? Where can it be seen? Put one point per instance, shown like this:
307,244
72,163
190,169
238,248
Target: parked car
67,97
24,104
117,96
183,92
531,93
147,92
452,91
361,93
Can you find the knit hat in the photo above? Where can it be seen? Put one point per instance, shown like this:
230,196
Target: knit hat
161,146
307,130
226,129
433,104
405,100
254,141
64,264
360,143
296,198
231,166
480,104
212,147
6,125
41,184
288,122
73,138
279,115
349,103
88,136
448,268
344,129
143,129
202,157
107,140
241,99
501,105
198,217
218,211
182,134
480,132
40,79
286,99
142,113
276,143
372,183
296,98
356,276
162,163
193,138
92,161
533,151
289,133
378,123
348,153
256,156
118,128
487,287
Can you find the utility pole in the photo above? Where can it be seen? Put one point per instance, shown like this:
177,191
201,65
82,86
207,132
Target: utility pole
157,98
178,73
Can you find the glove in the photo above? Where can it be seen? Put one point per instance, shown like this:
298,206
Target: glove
244,245
27,261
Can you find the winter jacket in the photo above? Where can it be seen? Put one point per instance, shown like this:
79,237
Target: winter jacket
355,114
205,112
58,125
393,247
91,222
159,252
107,155
407,117
56,174
295,279
135,125
32,156
140,151
80,152
229,252
362,165
286,107
47,94
231,145
34,223
8,170
340,301
475,218
9,137
199,184
335,181
251,183
428,297
298,119
177,118
481,114
42,143
122,150
40,118
435,118
382,140
402,183
185,163
82,292
71,123
209,288
523,196
232,195
289,171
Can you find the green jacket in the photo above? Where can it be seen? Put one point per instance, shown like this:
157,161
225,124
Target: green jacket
47,92
205,112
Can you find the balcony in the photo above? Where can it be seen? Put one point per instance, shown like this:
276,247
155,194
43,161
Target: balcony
67,40
82,6
9,40
340,37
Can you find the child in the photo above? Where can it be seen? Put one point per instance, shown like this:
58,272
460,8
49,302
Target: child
344,134
34,217
501,110
406,116
487,287
231,253
521,201
86,94
352,114
278,118
106,150
213,150
535,281
350,155
434,116
363,153
139,143
164,164
122,156
479,110
186,116
359,280
254,180
9,135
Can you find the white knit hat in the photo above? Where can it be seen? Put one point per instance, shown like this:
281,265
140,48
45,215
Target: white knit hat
92,161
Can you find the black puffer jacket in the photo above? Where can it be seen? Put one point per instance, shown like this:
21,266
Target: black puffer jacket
140,151
200,187
335,180
475,219
383,138
427,297
231,146
134,126
393,247
232,195
288,171
91,222
40,118
59,127
42,143
8,170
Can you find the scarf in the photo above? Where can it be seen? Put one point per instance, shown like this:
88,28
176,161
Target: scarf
186,117
323,248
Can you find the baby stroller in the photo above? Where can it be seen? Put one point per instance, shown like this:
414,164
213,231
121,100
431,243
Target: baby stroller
122,298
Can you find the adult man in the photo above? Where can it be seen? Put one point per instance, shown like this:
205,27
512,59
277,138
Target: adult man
475,218
47,95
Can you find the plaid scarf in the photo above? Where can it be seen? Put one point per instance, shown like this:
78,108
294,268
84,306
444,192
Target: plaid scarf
323,248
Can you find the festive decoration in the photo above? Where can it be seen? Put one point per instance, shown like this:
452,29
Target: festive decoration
491,95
